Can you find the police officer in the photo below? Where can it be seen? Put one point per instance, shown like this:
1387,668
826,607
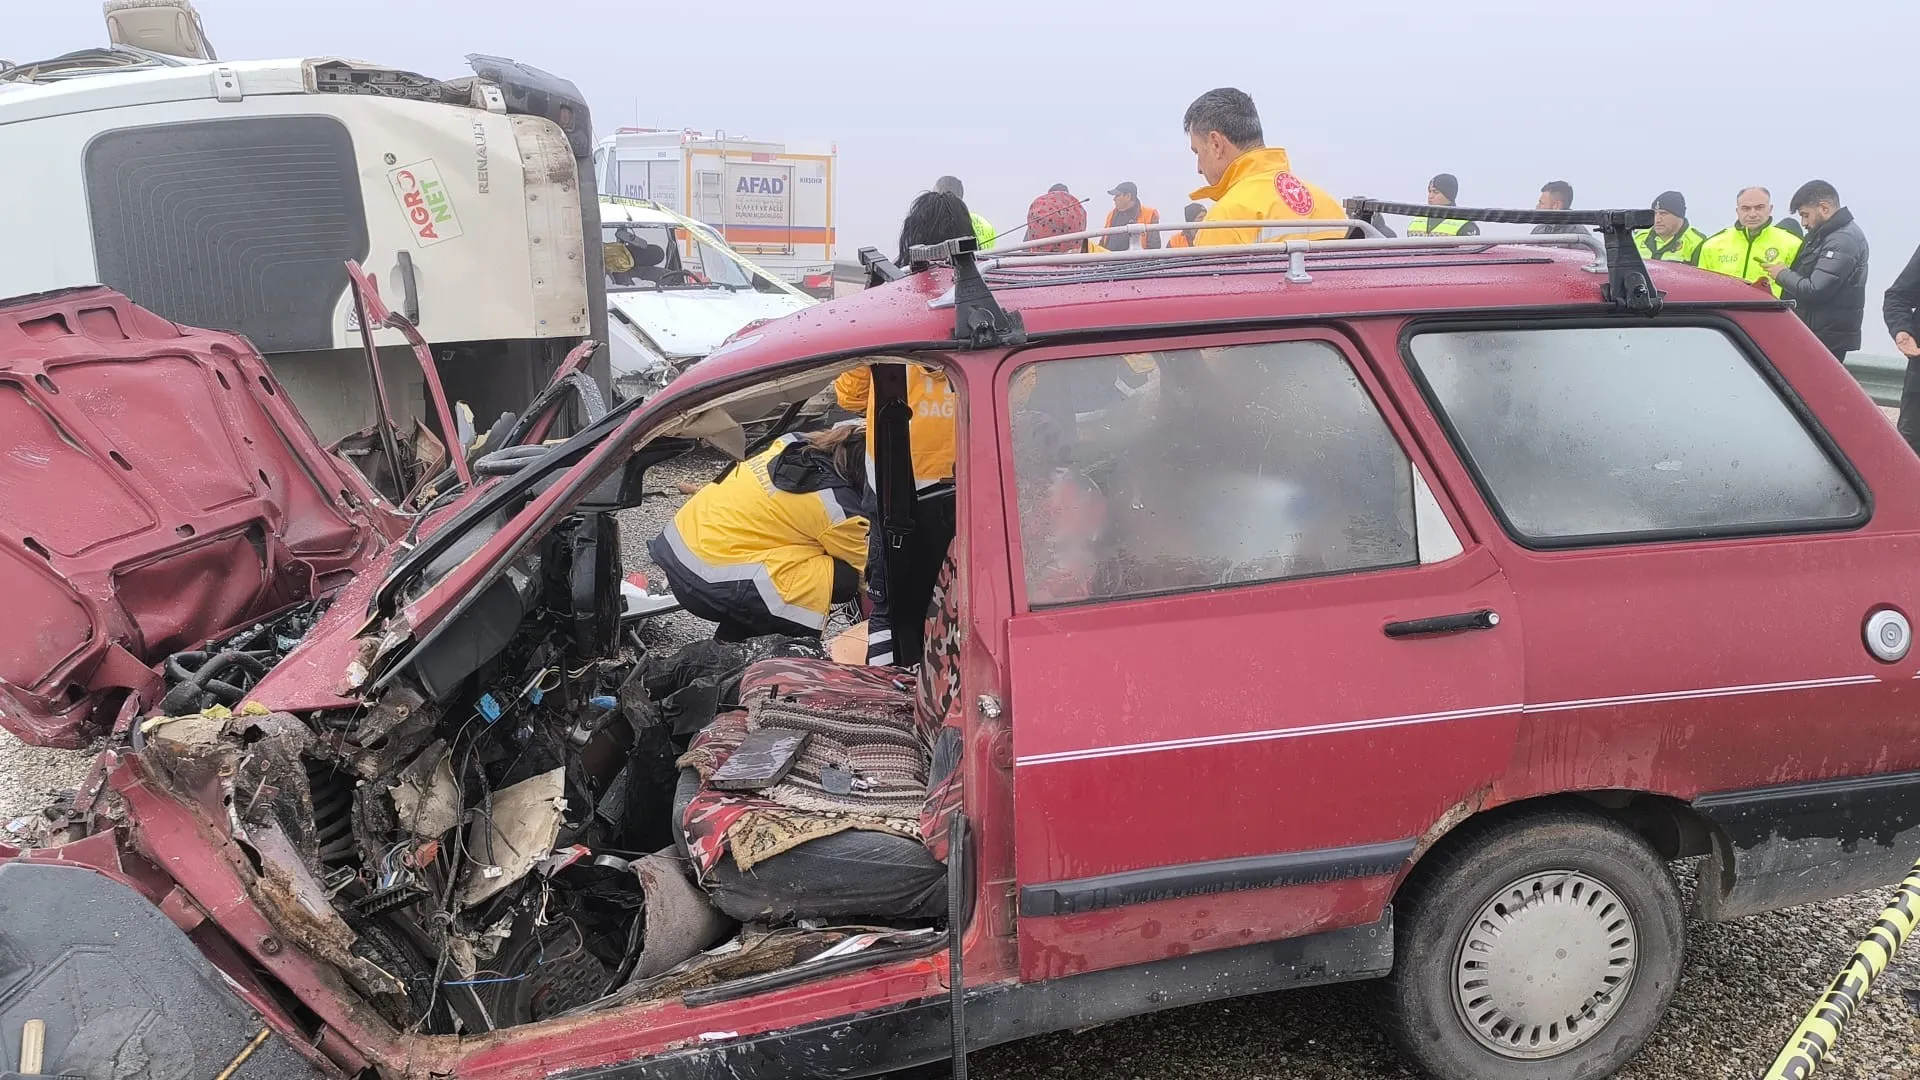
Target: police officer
1442,190
1745,248
1672,238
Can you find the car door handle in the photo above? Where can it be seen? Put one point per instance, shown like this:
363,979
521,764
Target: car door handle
1484,619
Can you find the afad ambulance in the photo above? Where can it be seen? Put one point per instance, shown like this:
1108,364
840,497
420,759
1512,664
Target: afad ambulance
770,201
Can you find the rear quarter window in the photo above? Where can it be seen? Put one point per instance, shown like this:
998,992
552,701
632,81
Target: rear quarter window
1598,434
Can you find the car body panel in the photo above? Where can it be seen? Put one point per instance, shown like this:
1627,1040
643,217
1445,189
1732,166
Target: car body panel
1208,669
1321,776
156,489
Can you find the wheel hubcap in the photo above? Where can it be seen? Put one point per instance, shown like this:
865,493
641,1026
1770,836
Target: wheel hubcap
1544,965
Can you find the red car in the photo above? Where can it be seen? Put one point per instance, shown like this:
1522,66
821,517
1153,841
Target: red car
1317,612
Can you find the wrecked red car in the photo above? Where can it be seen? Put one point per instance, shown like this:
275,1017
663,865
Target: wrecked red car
1317,611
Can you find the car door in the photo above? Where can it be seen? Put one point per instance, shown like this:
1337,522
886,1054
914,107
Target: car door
1254,655
1699,560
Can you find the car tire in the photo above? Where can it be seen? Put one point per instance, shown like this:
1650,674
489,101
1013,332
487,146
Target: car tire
1544,946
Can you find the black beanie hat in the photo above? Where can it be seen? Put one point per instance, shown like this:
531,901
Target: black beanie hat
1672,202
1446,184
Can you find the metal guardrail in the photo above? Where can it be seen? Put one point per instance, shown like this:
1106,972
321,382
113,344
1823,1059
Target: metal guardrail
1880,376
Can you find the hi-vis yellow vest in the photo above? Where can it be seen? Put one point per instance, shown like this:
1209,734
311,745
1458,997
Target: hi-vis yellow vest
1426,226
1679,248
1733,253
930,431
743,528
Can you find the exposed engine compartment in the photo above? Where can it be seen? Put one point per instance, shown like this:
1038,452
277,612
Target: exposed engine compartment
495,838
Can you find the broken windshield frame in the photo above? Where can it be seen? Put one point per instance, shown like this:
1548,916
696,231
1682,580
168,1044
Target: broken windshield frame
705,265
602,445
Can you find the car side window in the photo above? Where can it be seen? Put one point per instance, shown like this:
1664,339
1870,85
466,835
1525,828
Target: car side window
1190,469
1611,433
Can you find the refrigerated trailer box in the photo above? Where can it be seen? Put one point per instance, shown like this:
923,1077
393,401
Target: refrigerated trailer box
770,201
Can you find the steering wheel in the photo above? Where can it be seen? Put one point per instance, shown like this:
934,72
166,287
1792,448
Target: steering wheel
677,277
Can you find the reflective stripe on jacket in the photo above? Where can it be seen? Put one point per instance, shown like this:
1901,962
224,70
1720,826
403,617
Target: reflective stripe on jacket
1733,253
1260,186
743,533
1681,247
931,429
1431,226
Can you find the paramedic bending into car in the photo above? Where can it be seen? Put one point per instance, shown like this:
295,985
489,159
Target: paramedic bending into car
895,624
776,542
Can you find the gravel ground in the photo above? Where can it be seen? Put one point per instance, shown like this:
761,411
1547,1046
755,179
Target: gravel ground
1745,986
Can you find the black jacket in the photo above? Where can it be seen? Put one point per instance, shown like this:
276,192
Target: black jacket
1902,308
1828,282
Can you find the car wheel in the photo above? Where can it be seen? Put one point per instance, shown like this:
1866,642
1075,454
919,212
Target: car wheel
1542,947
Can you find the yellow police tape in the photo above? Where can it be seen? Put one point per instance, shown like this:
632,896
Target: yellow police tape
1818,1033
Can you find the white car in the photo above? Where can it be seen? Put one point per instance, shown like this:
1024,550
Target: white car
675,291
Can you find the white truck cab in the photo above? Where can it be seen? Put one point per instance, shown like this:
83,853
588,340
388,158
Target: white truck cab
231,194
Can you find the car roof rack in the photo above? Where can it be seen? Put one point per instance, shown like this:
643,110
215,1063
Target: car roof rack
1628,287
979,322
879,268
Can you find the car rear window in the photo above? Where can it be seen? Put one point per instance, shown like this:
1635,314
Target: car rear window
1189,469
1611,433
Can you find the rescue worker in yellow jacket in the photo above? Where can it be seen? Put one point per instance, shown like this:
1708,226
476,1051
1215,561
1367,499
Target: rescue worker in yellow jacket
1672,238
1747,247
896,615
1247,179
1442,190
772,545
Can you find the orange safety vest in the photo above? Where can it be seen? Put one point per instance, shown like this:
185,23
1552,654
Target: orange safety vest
1148,216
1179,240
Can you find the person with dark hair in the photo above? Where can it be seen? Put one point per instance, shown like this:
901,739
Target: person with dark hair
1744,248
1184,238
1556,195
1128,210
1901,308
1827,280
1442,190
895,620
1671,239
933,218
1792,224
1057,187
982,228
1247,179
776,542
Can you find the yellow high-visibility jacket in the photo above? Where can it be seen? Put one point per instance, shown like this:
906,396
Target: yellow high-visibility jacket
743,539
931,429
1260,186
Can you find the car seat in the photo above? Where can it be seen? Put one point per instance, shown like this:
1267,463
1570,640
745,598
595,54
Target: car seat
798,850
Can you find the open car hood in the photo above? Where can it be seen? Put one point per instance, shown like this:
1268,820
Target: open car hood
157,489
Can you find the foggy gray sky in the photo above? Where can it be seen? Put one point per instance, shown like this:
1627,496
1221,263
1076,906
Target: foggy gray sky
1623,99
